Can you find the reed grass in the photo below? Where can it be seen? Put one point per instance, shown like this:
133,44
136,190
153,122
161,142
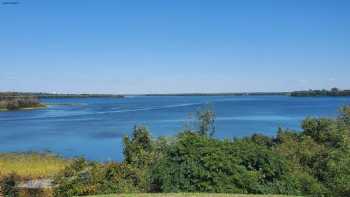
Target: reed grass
31,165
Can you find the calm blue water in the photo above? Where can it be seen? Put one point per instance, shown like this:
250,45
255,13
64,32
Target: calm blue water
94,127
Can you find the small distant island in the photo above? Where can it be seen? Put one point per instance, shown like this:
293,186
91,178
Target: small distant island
42,95
11,103
316,93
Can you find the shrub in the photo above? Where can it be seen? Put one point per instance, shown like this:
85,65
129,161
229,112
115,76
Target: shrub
89,178
206,121
344,116
138,149
196,163
8,185
35,192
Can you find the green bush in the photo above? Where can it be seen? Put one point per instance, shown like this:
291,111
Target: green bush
88,178
138,150
196,163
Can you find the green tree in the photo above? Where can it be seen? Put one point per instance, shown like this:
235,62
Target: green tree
141,152
344,116
206,119
138,149
322,130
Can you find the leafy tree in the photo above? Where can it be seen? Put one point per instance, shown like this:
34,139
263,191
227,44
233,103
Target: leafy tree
141,152
206,119
322,130
138,150
344,117
332,169
262,140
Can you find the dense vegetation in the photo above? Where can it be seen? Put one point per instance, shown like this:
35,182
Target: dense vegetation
314,161
186,195
12,102
332,92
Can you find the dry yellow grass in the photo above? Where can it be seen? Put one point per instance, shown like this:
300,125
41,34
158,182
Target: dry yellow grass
31,165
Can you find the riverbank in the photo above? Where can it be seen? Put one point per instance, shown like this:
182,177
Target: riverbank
44,95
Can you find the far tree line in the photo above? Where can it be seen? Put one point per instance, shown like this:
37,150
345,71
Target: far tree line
331,92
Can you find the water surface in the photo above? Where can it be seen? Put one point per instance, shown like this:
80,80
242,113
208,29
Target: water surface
94,127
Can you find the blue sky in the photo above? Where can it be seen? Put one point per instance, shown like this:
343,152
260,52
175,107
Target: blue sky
170,46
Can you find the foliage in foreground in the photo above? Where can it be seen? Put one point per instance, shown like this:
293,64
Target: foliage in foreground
186,195
315,161
84,177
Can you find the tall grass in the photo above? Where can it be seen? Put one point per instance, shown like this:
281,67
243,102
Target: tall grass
31,165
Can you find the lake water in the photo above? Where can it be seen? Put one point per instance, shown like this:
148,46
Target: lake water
94,127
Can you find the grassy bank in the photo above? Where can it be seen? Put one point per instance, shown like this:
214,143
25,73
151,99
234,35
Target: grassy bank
187,195
31,165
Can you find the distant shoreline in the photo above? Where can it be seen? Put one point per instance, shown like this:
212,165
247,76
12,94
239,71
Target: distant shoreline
218,94
303,93
334,92
41,95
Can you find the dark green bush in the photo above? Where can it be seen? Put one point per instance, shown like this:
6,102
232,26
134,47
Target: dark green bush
196,163
87,178
138,149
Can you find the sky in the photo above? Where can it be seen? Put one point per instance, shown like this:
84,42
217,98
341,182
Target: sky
174,46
